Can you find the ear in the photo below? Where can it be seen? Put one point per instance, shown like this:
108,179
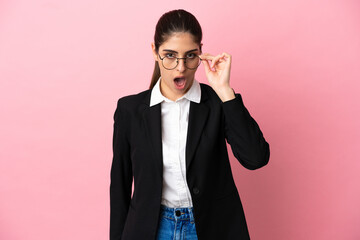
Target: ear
155,55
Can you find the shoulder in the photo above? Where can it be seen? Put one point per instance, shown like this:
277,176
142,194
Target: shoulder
127,106
131,101
208,93
206,88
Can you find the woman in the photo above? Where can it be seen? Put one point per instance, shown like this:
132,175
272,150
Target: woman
171,140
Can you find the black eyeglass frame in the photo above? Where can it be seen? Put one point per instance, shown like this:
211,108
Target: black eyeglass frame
177,62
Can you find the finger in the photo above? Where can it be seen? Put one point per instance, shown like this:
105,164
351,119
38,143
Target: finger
206,66
209,56
206,56
224,57
227,55
216,59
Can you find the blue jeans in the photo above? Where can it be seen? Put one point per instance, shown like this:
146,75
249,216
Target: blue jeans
176,224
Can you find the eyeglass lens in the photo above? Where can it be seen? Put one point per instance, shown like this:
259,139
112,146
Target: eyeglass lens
171,63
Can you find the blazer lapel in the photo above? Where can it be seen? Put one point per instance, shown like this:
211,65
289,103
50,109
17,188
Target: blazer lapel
152,122
198,114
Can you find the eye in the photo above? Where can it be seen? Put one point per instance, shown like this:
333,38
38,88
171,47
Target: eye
169,55
191,55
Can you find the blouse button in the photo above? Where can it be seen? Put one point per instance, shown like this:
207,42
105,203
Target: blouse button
196,190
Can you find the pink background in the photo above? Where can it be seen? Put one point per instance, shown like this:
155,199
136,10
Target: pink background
64,64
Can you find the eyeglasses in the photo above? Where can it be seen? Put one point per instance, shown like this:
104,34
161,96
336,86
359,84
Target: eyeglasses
191,61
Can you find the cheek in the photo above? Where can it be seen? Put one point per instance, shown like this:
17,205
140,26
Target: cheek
162,71
192,73
164,74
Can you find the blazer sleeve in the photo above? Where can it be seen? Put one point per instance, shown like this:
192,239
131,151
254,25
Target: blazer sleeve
244,135
120,175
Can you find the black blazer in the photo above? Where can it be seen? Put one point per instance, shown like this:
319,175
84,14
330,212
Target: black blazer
137,152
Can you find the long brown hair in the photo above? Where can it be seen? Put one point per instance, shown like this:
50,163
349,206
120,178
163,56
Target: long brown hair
170,23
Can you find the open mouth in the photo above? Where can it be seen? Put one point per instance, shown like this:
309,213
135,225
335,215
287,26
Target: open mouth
180,82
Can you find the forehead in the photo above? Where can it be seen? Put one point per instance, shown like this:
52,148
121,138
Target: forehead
180,42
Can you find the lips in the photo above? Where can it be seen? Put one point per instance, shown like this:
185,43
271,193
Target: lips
180,82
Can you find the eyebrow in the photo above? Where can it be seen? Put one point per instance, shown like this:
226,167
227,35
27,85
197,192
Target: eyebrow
168,50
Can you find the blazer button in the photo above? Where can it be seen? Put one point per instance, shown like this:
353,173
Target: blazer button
196,190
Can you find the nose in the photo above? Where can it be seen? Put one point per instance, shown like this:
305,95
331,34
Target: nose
181,65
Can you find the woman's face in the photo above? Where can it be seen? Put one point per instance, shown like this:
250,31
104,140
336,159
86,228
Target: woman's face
176,82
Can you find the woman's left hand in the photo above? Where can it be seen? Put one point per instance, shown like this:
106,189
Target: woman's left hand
218,74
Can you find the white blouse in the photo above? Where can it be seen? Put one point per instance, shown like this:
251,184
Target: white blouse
174,122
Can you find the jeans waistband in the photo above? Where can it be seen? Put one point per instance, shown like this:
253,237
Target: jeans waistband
185,213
